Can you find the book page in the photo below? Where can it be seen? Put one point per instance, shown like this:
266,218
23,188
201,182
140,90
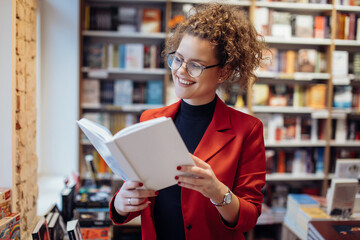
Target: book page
138,126
98,136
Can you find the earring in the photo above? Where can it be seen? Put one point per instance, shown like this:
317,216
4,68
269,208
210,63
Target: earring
219,79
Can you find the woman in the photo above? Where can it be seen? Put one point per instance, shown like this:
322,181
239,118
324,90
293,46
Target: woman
214,47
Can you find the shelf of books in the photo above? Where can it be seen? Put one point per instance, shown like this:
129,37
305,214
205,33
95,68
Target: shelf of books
307,94
122,72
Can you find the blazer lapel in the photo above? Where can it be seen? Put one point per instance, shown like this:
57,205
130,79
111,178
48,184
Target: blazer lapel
215,138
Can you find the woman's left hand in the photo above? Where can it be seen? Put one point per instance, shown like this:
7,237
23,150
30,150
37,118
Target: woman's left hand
201,179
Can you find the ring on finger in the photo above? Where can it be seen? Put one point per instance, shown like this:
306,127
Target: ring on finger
129,201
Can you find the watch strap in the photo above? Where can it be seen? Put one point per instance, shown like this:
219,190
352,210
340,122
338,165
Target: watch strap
223,203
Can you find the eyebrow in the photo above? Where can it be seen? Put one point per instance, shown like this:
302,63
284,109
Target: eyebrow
191,59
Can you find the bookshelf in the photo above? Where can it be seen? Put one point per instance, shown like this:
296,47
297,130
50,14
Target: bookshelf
322,76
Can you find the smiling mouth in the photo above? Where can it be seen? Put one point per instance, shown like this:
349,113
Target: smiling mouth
185,82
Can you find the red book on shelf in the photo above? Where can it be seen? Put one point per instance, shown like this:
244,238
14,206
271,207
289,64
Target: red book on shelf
281,162
319,27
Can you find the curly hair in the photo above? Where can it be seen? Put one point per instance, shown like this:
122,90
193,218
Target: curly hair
237,44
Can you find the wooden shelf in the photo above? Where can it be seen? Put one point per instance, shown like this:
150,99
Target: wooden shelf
298,41
115,34
232,2
275,177
123,108
294,143
296,6
285,109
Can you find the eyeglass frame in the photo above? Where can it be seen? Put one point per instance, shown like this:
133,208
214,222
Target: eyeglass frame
202,67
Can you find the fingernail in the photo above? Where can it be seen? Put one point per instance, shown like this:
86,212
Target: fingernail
157,193
176,177
178,167
179,183
141,184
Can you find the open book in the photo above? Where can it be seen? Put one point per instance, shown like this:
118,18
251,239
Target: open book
148,151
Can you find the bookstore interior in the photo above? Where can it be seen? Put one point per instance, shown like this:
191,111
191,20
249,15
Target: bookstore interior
307,95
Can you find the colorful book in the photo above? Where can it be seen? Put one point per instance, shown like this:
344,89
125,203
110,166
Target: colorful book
151,20
90,93
5,202
123,91
10,226
154,92
335,229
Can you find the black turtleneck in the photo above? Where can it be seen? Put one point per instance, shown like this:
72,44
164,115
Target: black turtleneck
191,122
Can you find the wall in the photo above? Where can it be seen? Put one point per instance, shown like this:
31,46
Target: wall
5,94
58,132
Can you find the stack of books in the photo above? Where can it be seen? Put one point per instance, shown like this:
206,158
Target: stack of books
302,208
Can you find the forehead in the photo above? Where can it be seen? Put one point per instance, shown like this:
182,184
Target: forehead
192,47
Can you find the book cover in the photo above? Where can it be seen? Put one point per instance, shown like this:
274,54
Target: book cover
319,27
347,168
304,26
90,93
93,217
97,233
340,64
154,92
316,96
335,229
306,60
107,92
67,202
261,20
139,92
10,226
261,94
41,230
56,226
5,202
341,197
151,20
134,56
269,62
123,91
95,55
73,230
158,140
342,97
281,26
307,214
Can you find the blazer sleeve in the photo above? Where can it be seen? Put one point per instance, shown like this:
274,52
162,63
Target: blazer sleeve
250,178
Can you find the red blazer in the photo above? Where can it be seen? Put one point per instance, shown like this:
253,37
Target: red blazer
233,145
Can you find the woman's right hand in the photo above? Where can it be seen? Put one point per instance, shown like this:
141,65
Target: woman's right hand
132,199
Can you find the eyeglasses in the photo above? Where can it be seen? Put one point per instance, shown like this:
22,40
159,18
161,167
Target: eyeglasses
193,68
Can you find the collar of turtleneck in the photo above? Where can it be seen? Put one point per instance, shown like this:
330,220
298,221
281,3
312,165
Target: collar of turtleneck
191,111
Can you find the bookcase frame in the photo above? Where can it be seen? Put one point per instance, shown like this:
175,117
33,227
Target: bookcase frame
329,44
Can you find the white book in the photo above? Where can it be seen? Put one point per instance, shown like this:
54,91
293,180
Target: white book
347,168
134,56
341,197
340,64
148,152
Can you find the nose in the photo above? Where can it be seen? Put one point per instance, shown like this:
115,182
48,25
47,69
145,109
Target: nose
183,69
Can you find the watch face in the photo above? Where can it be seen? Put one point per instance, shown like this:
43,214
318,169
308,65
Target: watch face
228,198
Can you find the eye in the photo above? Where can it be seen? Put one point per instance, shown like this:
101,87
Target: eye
194,65
177,60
